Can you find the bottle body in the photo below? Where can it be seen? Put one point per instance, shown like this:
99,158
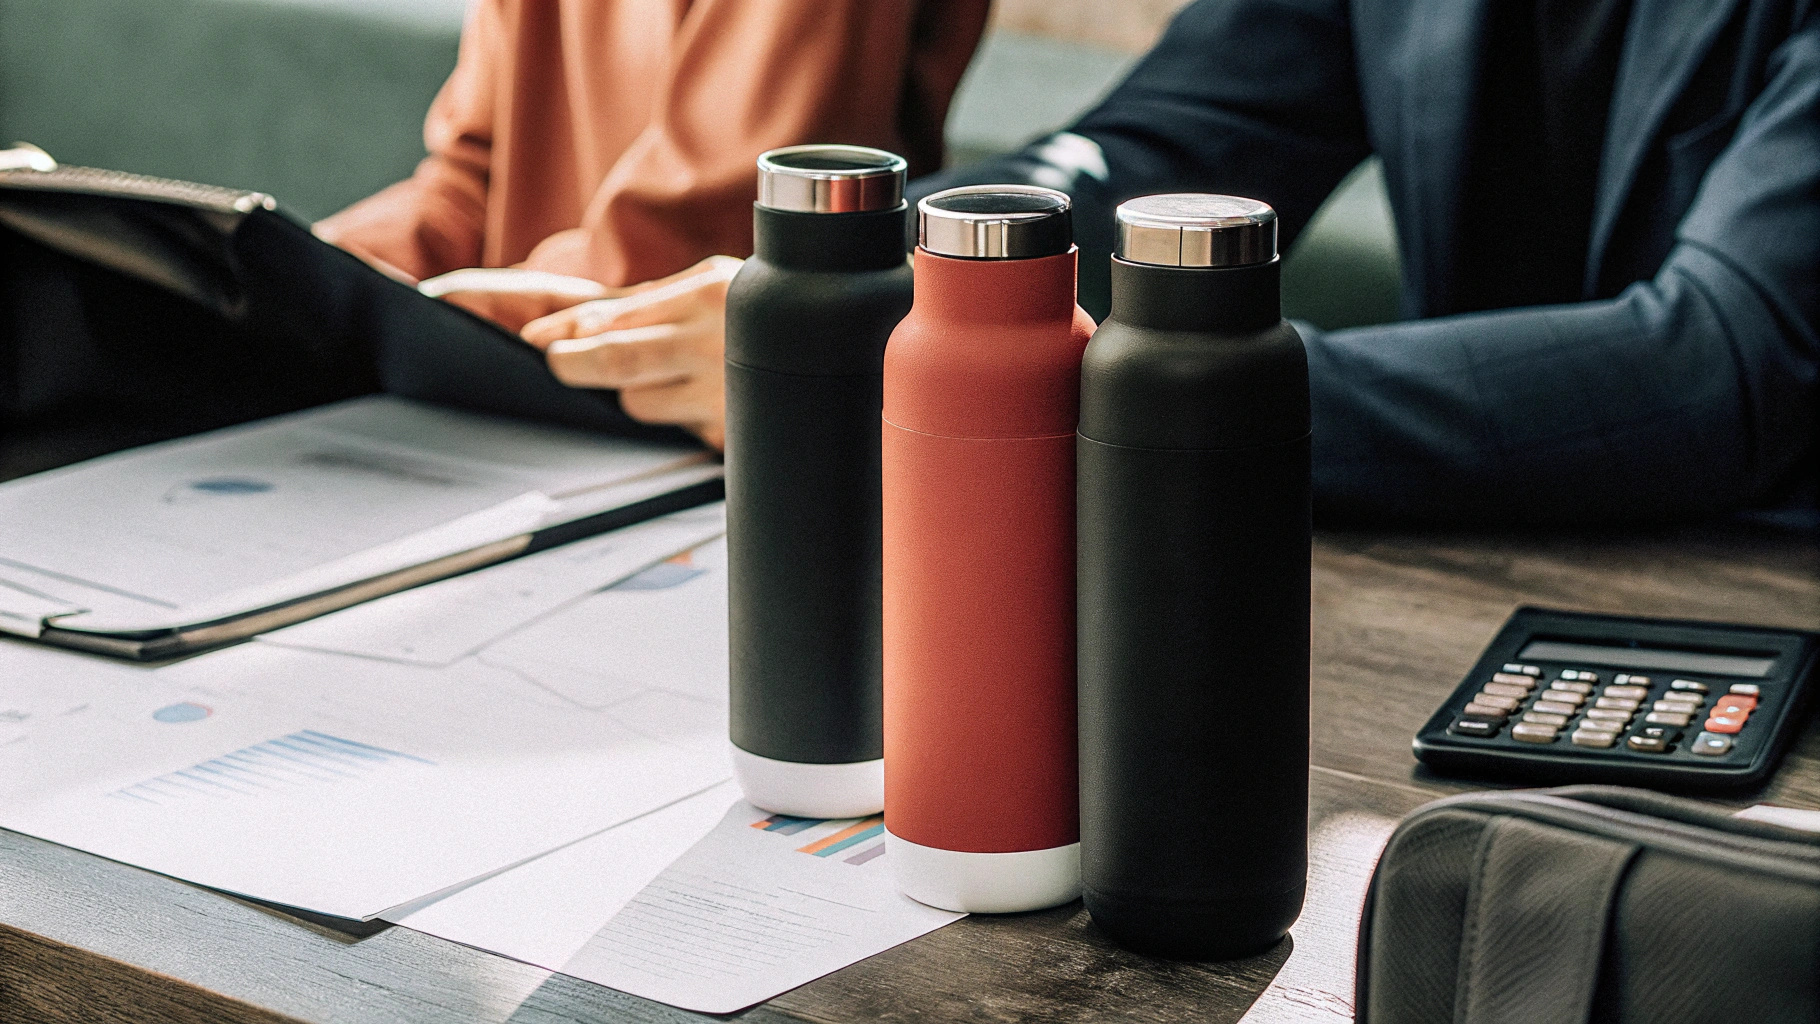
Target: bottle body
807,320
1194,541
981,394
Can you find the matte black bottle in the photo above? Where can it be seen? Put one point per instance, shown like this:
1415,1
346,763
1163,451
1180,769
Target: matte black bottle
807,321
1194,529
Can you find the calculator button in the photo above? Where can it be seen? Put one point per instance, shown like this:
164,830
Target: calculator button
1747,689
1584,737
1613,715
1743,705
1573,697
1493,700
1668,718
1504,690
1553,721
1688,684
1562,686
1674,703
1625,679
1711,744
1616,704
1475,727
1727,724
1627,692
1533,732
1555,707
1647,744
1478,710
1513,679
1522,670
1578,675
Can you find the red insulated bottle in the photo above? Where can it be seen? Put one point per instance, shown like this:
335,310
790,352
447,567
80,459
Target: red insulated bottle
982,392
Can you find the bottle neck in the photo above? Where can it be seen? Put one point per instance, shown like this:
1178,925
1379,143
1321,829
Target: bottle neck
1224,300
996,290
829,241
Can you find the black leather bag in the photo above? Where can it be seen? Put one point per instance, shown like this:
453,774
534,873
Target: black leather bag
134,309
1590,903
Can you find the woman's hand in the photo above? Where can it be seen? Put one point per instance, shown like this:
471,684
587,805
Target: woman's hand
513,296
662,346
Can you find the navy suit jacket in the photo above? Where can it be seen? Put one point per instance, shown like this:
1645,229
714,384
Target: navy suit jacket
1684,382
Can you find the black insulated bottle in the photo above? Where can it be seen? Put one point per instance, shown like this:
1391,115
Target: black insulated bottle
807,320
1194,531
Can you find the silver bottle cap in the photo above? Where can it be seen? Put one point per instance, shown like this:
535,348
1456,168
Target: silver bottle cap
830,179
1195,229
995,222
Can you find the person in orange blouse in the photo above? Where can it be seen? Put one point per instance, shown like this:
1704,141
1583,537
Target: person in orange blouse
603,152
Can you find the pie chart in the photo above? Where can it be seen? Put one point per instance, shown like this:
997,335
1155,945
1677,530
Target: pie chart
176,714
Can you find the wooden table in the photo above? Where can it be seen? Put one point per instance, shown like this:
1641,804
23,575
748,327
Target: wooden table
1397,621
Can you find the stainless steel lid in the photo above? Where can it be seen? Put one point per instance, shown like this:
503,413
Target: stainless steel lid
995,222
830,179
1193,229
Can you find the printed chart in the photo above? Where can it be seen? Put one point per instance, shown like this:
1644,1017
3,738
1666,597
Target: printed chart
860,841
352,781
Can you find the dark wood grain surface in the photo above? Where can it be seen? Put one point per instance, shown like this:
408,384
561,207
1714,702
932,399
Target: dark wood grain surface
1397,621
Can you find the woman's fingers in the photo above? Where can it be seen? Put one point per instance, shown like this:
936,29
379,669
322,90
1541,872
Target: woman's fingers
679,402
515,279
511,310
513,296
697,404
660,345
637,357
698,292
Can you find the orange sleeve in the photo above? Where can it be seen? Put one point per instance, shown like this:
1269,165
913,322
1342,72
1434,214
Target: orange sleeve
747,77
434,221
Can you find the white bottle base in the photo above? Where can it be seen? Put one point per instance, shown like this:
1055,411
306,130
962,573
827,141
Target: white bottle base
804,790
985,883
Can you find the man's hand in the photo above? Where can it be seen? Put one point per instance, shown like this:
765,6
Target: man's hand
662,346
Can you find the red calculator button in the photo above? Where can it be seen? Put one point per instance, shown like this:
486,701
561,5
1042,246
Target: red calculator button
1724,724
1744,705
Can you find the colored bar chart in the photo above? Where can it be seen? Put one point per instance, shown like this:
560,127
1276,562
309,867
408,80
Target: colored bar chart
851,836
784,825
845,837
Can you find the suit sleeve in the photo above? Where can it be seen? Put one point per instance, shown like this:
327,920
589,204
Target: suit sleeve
1691,394
748,77
1257,98
434,221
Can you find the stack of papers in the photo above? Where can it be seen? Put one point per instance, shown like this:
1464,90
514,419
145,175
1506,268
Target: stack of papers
347,785
530,759
202,541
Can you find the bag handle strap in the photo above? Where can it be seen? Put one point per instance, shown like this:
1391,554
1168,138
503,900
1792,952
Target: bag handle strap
1537,911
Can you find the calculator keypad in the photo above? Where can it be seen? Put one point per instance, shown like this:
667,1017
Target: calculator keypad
1632,711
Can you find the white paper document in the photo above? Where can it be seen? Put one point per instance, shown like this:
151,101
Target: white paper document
709,904
348,785
207,528
442,622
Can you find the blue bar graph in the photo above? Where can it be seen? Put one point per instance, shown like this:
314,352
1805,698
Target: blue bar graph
301,758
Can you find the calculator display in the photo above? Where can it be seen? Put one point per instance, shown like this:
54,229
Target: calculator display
1745,666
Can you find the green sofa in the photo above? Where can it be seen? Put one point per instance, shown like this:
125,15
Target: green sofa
320,102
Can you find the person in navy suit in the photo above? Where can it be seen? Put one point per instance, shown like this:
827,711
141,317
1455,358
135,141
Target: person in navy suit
1609,217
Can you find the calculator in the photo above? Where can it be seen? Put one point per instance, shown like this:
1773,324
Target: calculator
1571,697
